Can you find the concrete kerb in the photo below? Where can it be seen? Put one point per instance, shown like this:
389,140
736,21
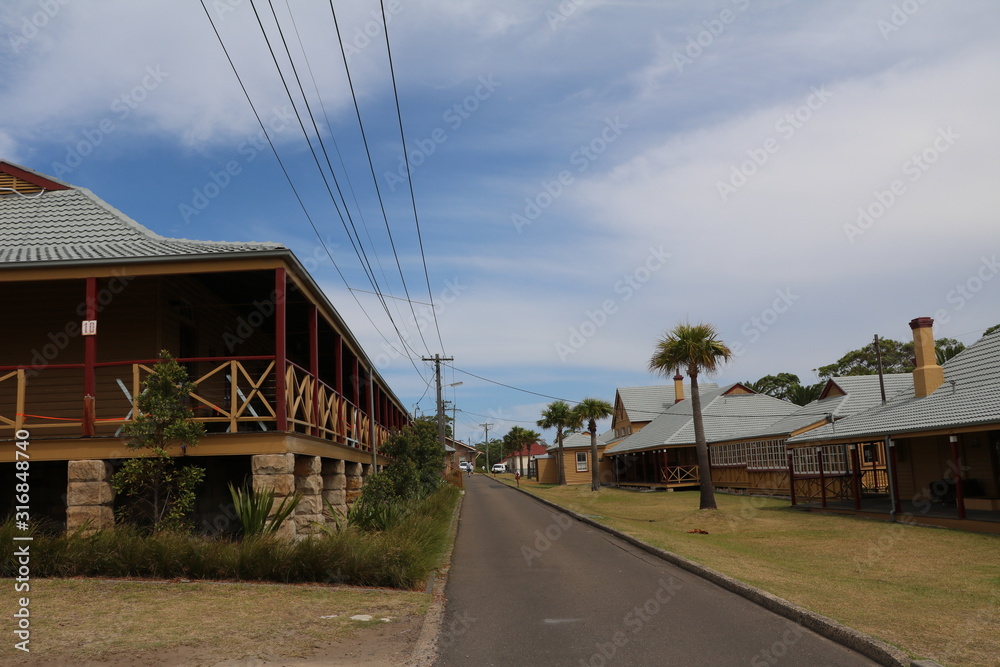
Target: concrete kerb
879,651
425,651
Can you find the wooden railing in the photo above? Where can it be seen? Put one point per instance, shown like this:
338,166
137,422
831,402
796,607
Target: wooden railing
231,395
680,475
315,408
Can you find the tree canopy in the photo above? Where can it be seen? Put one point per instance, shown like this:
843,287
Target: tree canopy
897,357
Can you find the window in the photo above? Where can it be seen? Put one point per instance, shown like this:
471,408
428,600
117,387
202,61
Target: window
581,461
732,454
767,455
834,460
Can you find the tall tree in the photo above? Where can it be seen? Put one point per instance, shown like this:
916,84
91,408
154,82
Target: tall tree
588,411
778,385
558,415
696,348
897,357
518,439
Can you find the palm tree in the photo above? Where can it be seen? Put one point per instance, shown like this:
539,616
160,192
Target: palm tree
590,410
518,439
558,415
697,348
803,394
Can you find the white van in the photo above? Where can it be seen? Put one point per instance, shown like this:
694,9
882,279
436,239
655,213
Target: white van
499,467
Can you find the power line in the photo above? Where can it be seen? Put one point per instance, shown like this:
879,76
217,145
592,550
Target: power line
409,179
526,391
295,191
371,167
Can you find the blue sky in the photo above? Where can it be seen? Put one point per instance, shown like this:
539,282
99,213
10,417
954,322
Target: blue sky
587,174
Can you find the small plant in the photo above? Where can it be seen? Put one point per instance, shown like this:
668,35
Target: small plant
253,508
160,493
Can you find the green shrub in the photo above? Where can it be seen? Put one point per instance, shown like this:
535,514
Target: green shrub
400,556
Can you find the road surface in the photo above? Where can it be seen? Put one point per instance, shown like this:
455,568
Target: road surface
531,586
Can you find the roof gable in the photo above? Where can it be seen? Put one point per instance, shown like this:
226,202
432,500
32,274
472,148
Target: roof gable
968,397
17,180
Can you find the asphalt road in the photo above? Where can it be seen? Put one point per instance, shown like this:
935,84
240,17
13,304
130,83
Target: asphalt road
530,586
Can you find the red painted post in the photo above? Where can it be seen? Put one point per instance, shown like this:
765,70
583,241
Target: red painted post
894,479
280,362
856,476
791,476
956,467
314,366
90,361
822,477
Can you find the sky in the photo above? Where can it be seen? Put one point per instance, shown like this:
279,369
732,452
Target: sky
586,174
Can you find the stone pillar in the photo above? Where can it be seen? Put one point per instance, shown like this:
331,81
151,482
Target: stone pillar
89,496
334,487
354,481
276,472
309,483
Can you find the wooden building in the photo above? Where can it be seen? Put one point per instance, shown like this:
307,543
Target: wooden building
288,398
757,463
942,435
663,453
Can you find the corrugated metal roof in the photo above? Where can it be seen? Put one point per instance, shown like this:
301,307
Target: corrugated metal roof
644,404
75,225
968,396
725,417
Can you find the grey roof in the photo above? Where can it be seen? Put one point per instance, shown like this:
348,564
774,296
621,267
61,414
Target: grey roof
583,440
75,225
968,396
861,392
644,404
725,416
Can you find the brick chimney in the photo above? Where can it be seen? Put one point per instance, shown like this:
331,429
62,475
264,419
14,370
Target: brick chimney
928,375
678,388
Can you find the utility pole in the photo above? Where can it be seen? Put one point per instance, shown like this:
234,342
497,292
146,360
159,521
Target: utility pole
486,444
440,406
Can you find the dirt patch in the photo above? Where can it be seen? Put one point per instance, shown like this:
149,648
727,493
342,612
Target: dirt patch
83,622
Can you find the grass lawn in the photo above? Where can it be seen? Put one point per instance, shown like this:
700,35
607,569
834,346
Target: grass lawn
75,621
932,592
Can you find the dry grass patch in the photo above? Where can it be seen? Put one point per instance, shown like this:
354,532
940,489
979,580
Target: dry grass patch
75,621
932,592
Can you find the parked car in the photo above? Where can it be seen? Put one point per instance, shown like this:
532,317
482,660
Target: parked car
465,466
499,467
